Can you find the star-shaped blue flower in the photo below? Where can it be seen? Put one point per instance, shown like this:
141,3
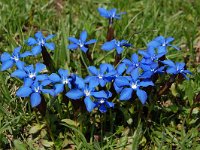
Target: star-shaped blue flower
176,68
133,84
40,41
102,103
87,91
110,14
115,44
9,60
132,64
80,43
99,77
150,55
151,69
60,79
31,73
161,44
34,89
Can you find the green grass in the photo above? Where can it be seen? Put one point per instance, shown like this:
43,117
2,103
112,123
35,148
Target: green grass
172,127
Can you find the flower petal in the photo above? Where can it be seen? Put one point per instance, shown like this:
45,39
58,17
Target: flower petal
134,58
169,63
59,88
50,46
89,104
135,74
31,41
6,65
108,46
36,50
54,77
20,64
50,36
75,94
83,36
39,67
146,83
25,54
72,46
142,95
126,94
102,109
35,99
119,49
121,81
99,94
19,74
91,41
103,12
84,49
80,82
39,35
73,40
24,91
93,70
5,57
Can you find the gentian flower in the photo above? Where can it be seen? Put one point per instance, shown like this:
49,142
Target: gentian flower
162,43
34,89
113,74
110,14
132,64
176,68
98,76
40,41
133,84
114,44
151,69
80,42
87,91
9,60
103,103
60,79
150,55
31,73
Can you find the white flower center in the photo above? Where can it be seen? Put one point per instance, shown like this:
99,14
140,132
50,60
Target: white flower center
152,70
31,75
100,76
41,42
117,43
65,81
36,89
133,86
87,92
16,58
101,101
164,44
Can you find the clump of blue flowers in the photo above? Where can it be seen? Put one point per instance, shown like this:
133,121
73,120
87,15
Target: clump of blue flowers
105,84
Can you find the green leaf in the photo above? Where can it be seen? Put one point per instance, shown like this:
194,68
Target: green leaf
36,128
70,122
19,145
47,143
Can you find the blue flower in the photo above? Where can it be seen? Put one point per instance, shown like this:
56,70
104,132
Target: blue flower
30,72
133,84
151,69
162,43
110,14
87,91
133,64
114,44
176,68
103,103
99,76
150,55
9,60
80,42
40,41
34,89
113,74
62,79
